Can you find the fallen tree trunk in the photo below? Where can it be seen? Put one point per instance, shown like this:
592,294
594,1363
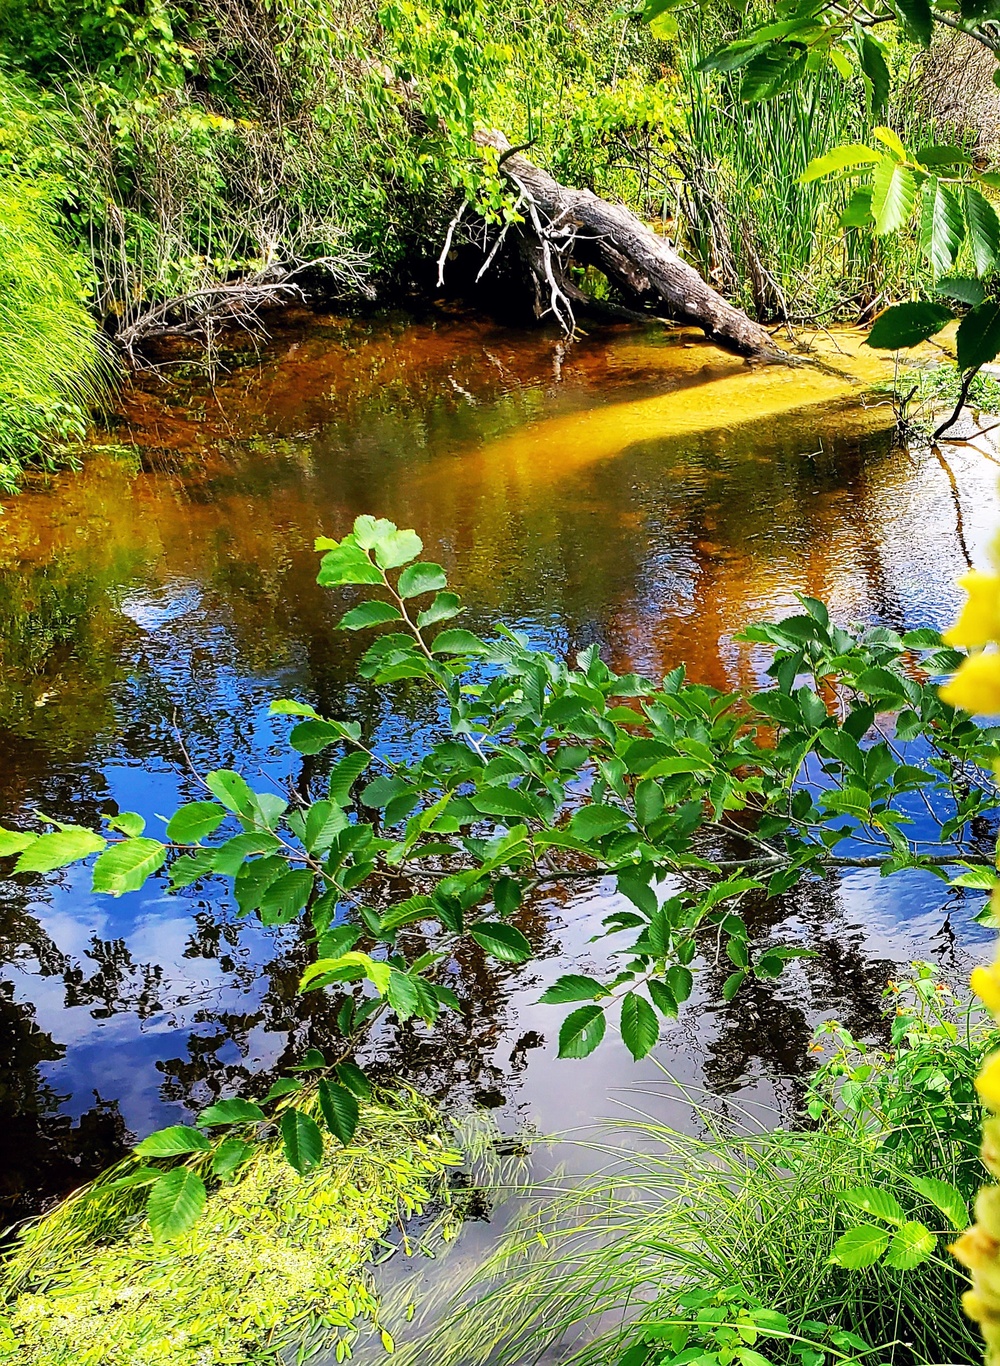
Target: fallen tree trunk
563,224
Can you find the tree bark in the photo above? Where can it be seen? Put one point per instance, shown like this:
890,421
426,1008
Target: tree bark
563,223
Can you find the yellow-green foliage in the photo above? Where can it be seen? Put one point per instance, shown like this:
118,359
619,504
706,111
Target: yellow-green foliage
49,359
275,1261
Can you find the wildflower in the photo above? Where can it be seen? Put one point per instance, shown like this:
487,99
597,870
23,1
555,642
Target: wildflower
979,620
976,685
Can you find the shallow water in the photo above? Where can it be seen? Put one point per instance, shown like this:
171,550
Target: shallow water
643,491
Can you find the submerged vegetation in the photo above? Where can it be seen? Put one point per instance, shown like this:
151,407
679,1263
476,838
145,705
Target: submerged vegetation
278,1264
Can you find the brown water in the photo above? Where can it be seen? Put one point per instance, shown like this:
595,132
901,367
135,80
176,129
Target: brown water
640,490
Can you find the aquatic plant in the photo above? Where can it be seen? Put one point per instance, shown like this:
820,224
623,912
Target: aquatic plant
278,1265
537,774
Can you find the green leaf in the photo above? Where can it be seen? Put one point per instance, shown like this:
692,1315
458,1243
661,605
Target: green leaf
581,1032
730,57
443,608
171,1142
457,642
983,229
943,154
640,1027
124,867
354,1079
880,1203
230,1154
858,213
340,1110
286,706
128,822
402,994
368,531
421,578
234,1111
13,841
284,1086
346,564
662,997
943,1197
572,986
918,23
399,547
860,1247
59,849
228,858
964,289
595,821
193,822
503,941
312,737
894,193
190,867
286,897
891,139
302,1140
324,821
905,325
874,66
911,1245
942,225
374,613
233,792
175,1202
978,338
344,775
840,159
769,72
733,983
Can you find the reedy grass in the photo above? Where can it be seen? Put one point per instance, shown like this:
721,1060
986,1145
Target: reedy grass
275,1268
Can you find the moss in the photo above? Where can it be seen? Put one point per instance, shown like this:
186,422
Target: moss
275,1262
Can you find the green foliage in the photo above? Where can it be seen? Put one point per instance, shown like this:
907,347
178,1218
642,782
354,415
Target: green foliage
49,361
276,1267
539,774
789,1246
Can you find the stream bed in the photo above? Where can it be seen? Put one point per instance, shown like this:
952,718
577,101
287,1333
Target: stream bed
640,490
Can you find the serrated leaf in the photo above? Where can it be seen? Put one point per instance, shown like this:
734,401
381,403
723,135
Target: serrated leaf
193,822
880,1203
911,1245
443,608
860,1247
942,225
503,941
840,159
943,1197
774,69
14,841
398,548
639,1025
124,867
339,1108
346,564
978,338
572,986
964,289
312,737
891,139
457,642
918,22
233,1111
354,1079
983,229
302,1140
344,775
229,1156
597,820
581,1032
130,823
905,325
58,850
175,1202
943,154
894,193
368,530
284,1086
171,1142
662,997
874,66
286,706
232,791
374,613
324,821
858,213
421,578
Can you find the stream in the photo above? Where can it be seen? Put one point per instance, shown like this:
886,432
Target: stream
641,490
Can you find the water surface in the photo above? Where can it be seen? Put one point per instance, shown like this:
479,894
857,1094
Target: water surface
639,490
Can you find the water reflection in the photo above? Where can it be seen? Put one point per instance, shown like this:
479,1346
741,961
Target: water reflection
646,493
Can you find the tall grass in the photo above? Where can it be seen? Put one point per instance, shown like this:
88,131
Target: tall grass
50,365
764,240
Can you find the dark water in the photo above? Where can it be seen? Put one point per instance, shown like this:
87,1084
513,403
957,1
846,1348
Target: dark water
643,492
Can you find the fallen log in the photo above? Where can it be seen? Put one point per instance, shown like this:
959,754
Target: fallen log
562,224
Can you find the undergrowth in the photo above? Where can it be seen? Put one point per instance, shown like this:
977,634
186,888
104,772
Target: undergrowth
277,1265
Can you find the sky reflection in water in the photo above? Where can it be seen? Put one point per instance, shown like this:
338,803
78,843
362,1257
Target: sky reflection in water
644,493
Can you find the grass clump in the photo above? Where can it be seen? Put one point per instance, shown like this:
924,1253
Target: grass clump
692,1246
50,369
275,1266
